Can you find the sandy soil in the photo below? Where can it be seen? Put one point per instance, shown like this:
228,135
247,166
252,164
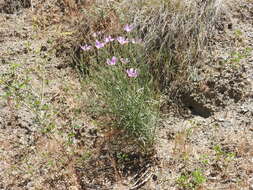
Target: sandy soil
47,140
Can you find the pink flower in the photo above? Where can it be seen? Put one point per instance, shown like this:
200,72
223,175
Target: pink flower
99,44
125,61
128,28
132,73
108,39
122,40
86,47
112,61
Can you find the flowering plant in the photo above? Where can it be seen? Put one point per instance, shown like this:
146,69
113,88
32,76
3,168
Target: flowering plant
86,47
122,40
112,61
132,73
128,28
124,85
109,39
99,44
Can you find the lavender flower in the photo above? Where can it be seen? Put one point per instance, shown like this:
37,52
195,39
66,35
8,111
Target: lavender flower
108,39
112,61
86,47
122,40
132,73
125,61
128,28
99,44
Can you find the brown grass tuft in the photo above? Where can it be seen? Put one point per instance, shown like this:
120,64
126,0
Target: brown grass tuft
175,34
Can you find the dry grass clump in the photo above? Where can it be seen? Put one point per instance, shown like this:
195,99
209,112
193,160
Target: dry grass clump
175,33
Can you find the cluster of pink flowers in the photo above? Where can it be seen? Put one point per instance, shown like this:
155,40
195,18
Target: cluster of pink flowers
115,59
132,73
120,39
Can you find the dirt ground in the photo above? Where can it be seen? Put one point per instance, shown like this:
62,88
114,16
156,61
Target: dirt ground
48,141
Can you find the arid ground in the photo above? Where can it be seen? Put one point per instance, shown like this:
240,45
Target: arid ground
48,140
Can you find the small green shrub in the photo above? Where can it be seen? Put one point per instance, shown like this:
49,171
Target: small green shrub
123,83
